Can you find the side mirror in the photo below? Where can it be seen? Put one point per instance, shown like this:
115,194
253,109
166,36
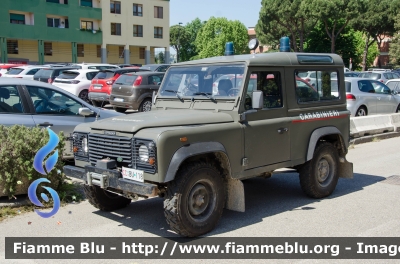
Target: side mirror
258,100
84,111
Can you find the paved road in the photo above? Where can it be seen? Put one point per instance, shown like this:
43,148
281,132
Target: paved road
364,206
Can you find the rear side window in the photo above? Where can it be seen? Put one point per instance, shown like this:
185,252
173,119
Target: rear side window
312,86
126,79
348,87
90,75
10,101
104,75
155,79
68,75
366,86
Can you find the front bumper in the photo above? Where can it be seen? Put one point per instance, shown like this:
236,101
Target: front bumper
110,179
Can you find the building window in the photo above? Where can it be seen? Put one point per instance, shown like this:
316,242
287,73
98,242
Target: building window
158,32
53,1
158,12
137,30
121,51
53,22
116,29
12,46
17,18
87,3
141,53
137,10
48,49
115,7
87,25
98,51
80,49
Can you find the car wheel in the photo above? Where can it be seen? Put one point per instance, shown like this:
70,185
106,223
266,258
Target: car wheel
195,200
120,109
361,111
145,106
84,96
104,200
398,108
319,176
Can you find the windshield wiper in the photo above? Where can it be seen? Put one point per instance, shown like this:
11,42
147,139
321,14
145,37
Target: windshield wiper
206,95
176,93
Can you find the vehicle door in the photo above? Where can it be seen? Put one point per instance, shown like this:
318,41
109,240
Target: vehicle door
367,96
13,107
386,102
56,110
266,131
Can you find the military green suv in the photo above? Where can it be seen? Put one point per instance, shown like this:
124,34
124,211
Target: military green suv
215,122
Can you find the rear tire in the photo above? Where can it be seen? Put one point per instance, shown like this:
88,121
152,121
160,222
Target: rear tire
145,106
104,200
84,95
319,176
362,111
120,109
195,200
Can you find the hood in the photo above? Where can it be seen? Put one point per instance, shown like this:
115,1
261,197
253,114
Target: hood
135,122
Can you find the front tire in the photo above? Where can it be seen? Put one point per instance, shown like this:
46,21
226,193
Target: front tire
319,176
104,200
195,200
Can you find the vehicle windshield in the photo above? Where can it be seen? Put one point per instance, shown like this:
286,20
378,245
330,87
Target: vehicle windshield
126,79
104,75
15,71
149,67
218,81
370,75
68,75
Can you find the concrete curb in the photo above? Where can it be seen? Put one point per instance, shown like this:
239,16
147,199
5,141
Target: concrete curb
371,138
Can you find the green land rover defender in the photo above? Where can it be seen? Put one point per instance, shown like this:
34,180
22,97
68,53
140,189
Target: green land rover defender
213,123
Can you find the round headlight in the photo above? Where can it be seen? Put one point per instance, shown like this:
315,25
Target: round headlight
84,145
143,153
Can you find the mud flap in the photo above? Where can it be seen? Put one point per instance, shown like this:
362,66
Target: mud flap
235,195
345,168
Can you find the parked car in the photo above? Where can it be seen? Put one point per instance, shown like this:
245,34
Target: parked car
49,74
368,97
5,67
394,85
94,66
76,82
100,88
156,67
129,65
135,90
33,103
25,72
377,75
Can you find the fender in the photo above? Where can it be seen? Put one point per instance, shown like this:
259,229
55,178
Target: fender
316,135
188,151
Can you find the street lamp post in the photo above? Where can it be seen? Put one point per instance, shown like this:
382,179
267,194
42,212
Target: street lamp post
179,34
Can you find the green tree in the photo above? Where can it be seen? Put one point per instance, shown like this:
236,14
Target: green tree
394,49
285,18
178,39
335,15
160,58
216,32
189,51
376,21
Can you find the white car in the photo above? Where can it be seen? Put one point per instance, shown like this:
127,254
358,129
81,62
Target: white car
76,82
95,66
24,72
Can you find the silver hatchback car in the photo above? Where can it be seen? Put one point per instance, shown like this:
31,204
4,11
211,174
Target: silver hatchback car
368,97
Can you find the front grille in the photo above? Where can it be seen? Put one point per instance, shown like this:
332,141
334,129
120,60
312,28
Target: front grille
113,147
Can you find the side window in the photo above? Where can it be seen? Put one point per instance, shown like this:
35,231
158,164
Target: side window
50,102
319,86
270,84
366,86
380,88
155,79
10,100
32,72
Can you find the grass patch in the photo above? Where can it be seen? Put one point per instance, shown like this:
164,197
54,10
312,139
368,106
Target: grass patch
69,192
375,139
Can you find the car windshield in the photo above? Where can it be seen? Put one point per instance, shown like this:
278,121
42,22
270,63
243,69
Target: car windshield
44,73
149,67
126,79
68,75
104,75
219,81
370,75
15,71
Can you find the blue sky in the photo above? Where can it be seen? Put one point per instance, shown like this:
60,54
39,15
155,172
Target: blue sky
186,10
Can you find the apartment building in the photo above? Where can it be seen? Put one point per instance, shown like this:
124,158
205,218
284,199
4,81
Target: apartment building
50,31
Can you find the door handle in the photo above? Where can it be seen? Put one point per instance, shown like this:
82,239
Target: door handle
282,130
46,124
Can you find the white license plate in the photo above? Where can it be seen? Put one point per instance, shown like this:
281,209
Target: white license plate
118,99
131,174
98,87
